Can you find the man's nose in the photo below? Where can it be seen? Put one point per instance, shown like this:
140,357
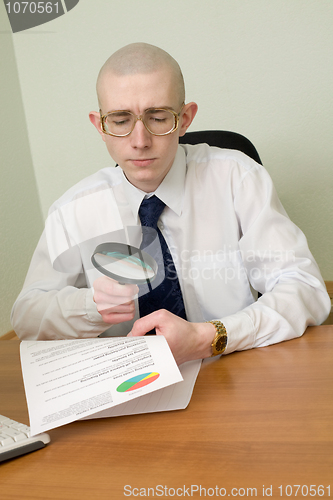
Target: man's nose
140,137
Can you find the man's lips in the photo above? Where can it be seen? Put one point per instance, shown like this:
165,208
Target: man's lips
142,163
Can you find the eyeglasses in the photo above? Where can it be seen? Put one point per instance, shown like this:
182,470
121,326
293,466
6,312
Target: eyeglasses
158,121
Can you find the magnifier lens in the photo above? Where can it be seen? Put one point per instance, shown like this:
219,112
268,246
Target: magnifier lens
124,263
125,266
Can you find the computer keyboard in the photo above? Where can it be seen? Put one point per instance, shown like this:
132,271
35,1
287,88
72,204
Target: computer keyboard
15,439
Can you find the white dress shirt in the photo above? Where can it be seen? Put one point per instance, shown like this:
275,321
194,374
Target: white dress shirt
228,234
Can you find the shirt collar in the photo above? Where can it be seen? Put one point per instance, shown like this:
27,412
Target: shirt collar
171,189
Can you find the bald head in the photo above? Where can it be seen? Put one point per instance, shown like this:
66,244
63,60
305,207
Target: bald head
142,58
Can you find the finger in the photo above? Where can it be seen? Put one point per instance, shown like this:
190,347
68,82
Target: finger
111,300
123,290
108,286
115,318
156,319
107,308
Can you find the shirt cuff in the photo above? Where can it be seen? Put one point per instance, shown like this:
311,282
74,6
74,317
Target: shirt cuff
241,332
91,310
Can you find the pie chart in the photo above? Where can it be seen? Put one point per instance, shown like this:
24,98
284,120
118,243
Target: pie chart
137,382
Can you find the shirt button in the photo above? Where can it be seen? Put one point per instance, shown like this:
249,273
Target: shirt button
160,225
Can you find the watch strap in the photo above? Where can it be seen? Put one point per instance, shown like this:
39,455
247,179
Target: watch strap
219,343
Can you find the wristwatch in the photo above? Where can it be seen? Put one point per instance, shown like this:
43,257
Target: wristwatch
221,338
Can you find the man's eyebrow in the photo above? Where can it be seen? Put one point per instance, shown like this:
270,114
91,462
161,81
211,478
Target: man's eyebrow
121,111
118,112
160,107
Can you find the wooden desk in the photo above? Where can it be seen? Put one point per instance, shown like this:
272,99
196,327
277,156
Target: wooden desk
259,417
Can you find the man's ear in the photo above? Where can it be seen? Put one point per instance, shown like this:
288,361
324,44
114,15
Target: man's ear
188,113
95,119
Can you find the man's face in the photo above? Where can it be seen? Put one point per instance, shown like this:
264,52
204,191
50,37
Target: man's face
144,158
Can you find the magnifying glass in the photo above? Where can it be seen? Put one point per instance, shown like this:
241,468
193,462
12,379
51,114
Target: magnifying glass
124,263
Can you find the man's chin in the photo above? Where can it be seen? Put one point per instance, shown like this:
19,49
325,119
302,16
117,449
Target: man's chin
144,181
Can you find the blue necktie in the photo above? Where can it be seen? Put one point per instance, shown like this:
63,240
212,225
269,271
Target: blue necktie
167,295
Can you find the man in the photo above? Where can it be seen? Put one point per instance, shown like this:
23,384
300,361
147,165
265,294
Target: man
221,222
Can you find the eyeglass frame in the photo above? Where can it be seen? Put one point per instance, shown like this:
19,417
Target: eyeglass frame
140,117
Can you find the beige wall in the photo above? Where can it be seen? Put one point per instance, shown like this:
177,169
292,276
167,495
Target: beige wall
20,212
261,68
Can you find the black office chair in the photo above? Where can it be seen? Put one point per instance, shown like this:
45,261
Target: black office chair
222,139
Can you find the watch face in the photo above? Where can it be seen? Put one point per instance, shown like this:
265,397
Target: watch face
221,343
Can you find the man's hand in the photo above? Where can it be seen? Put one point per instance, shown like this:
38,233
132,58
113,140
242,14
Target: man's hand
114,302
186,340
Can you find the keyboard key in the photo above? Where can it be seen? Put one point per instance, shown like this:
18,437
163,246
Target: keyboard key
4,440
15,439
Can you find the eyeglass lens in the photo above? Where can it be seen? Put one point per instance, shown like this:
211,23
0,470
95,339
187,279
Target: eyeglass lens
157,121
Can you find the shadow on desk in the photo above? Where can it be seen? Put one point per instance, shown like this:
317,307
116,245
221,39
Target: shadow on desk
9,336
329,287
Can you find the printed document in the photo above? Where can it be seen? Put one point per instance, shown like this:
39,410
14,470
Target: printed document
67,380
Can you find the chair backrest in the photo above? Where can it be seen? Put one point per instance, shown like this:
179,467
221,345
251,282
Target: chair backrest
222,139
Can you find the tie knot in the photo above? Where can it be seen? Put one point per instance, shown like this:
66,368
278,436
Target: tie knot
150,211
